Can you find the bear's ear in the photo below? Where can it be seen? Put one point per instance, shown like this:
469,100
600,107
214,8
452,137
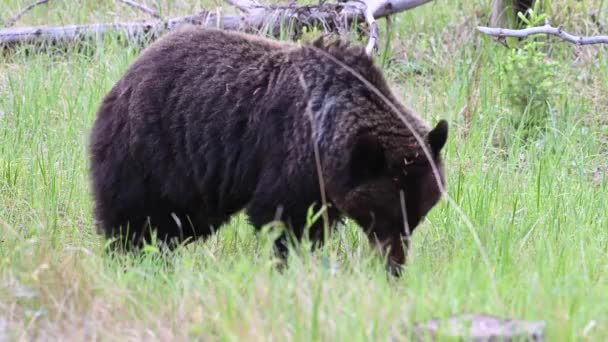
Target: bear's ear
438,136
367,158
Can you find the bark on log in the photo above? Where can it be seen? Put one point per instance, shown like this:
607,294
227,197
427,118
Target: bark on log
255,17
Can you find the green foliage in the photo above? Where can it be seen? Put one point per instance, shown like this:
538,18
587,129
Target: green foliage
529,82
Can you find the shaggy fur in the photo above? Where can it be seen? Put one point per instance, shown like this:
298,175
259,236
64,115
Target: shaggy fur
208,122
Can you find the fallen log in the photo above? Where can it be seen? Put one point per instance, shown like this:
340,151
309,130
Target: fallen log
253,17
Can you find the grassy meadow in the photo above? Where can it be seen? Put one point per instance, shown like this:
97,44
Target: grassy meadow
536,248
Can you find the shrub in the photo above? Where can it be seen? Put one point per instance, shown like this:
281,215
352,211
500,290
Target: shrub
528,83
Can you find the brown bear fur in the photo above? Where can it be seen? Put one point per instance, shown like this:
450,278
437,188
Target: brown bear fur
208,122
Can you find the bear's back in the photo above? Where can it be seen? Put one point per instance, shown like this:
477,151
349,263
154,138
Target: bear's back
196,47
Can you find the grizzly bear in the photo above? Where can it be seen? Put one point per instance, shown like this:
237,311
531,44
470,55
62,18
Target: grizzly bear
206,123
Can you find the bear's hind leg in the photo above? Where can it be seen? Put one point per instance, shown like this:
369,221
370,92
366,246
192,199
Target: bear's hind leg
177,226
168,224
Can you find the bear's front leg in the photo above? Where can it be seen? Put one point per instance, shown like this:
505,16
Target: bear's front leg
294,219
393,247
260,214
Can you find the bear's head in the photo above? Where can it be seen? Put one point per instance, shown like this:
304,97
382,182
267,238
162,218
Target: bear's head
389,199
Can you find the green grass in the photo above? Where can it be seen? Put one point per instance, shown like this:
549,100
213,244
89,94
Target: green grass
539,210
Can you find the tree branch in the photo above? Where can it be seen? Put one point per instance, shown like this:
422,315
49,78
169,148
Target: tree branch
142,7
375,9
383,8
545,29
372,44
17,16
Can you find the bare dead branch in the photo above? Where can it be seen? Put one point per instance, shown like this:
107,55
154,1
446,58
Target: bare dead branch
372,44
383,8
545,29
255,17
17,16
142,7
375,9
